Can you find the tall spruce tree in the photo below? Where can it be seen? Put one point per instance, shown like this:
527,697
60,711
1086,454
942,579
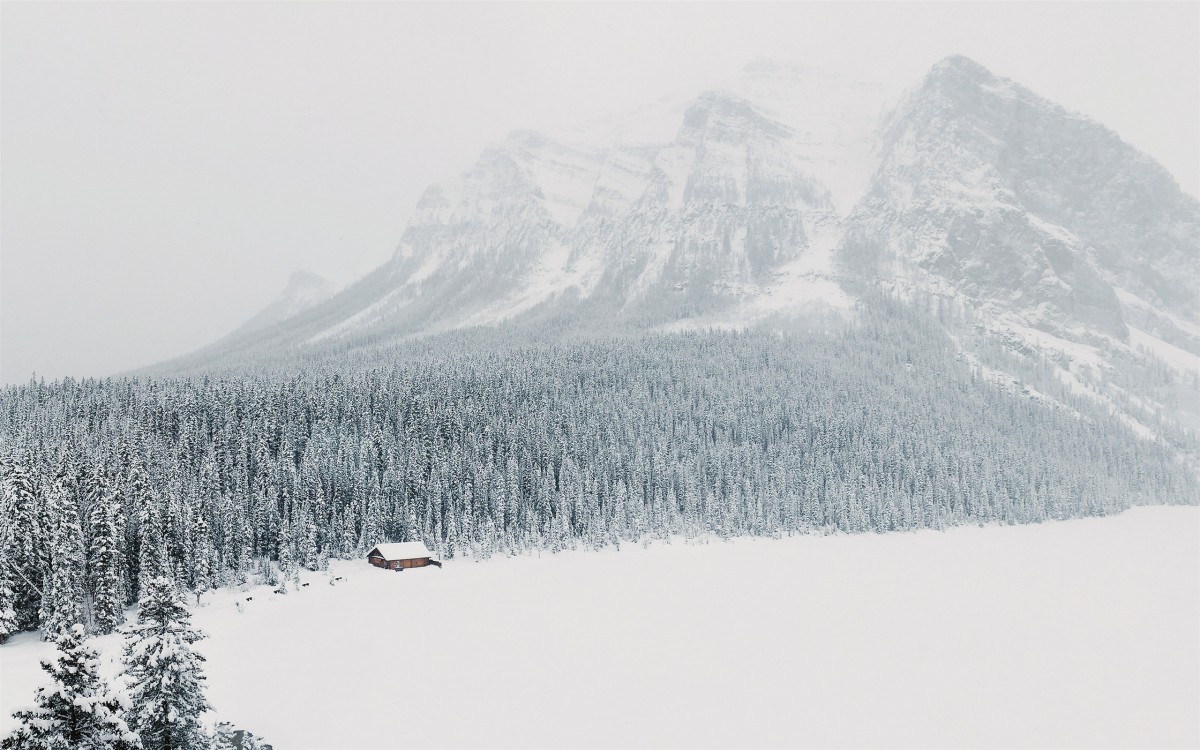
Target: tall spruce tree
104,557
8,614
151,562
23,539
202,573
166,673
63,599
78,710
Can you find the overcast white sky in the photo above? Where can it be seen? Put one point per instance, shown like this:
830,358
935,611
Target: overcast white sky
166,166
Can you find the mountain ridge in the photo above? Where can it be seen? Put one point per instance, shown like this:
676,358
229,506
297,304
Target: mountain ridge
738,207
304,289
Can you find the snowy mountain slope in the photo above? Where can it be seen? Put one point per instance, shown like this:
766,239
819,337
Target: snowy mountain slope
786,194
834,119
1011,198
304,290
696,206
1038,226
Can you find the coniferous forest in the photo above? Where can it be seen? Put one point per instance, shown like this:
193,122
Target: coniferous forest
209,480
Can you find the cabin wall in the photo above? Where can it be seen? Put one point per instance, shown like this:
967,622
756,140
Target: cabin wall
417,562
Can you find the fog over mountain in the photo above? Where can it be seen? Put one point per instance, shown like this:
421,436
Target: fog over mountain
167,166
304,290
780,197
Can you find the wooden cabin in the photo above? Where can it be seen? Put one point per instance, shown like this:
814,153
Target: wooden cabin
401,555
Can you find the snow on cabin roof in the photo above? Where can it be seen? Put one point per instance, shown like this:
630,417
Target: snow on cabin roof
402,550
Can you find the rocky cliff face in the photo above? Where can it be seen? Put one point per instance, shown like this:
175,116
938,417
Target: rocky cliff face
1012,201
1055,238
679,208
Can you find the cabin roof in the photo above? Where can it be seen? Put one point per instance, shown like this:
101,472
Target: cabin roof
401,551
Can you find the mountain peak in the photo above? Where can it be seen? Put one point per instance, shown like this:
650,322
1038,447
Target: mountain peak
961,65
724,113
759,197
304,289
302,279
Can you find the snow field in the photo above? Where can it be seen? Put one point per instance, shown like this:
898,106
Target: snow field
1083,633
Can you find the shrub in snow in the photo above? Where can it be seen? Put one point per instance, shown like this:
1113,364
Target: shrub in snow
167,687
226,737
77,711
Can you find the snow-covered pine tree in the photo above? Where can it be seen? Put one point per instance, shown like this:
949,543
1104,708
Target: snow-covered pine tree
104,556
226,737
146,504
223,737
166,712
78,710
63,601
202,573
286,554
23,540
305,534
8,615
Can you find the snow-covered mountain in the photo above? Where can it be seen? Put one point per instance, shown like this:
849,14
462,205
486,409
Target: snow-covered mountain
700,204
1052,235
785,194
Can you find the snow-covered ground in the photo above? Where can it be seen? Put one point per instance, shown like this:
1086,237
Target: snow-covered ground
1083,633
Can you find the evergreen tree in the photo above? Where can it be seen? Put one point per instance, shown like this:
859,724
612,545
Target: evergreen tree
223,737
286,555
8,615
77,711
202,564
63,600
23,539
151,562
104,559
166,675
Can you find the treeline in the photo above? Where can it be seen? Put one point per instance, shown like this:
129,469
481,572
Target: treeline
109,484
